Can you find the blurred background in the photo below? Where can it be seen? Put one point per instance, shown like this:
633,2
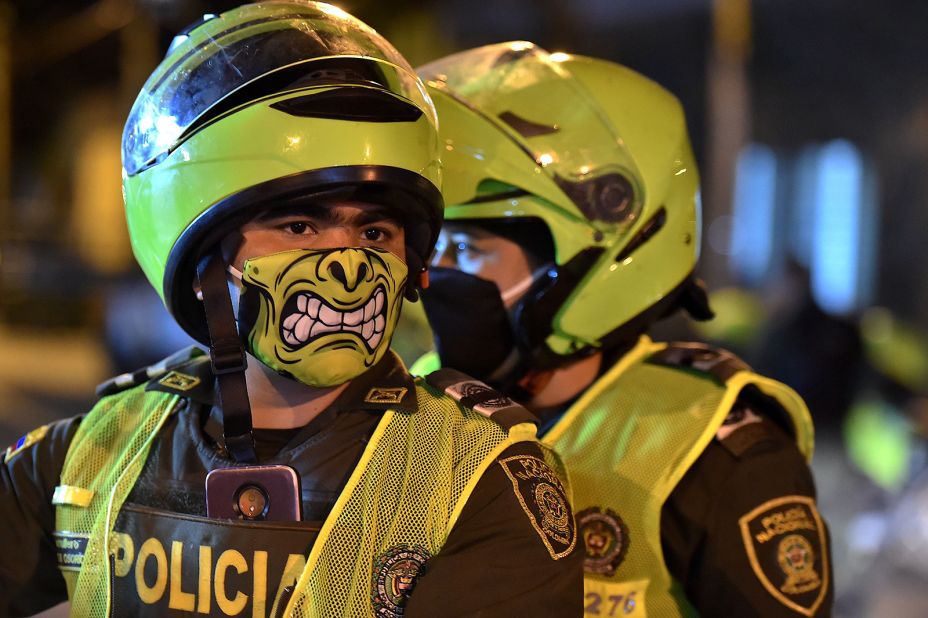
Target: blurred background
810,124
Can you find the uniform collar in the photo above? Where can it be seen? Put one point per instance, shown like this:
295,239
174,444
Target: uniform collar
385,386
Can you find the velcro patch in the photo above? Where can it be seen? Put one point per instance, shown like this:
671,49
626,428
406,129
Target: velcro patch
25,442
785,542
544,500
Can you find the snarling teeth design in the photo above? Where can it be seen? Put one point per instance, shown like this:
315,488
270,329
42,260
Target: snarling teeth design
313,318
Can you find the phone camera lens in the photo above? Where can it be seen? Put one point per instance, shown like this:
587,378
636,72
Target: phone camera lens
251,502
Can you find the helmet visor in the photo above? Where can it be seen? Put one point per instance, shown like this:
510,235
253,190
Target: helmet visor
253,52
553,117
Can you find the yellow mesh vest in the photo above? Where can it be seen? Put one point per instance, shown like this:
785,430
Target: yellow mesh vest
626,443
409,487
102,464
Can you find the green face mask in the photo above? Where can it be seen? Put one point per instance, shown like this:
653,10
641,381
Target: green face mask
322,317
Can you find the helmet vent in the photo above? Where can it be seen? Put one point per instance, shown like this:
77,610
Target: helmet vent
527,128
647,231
350,103
609,198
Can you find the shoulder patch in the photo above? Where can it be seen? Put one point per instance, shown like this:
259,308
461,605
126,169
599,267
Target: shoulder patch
542,497
786,545
25,442
480,398
717,362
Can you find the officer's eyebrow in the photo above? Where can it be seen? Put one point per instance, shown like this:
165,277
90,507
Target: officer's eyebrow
331,214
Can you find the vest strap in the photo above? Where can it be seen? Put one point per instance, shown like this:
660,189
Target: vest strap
480,398
716,362
71,495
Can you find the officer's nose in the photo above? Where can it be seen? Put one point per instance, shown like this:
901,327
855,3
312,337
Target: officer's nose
349,269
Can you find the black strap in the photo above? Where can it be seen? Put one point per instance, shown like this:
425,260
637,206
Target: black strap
228,358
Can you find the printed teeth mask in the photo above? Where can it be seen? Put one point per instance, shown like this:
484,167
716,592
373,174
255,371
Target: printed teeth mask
322,317
309,317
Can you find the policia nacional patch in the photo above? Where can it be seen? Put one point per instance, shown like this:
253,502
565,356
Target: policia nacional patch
786,545
395,573
543,499
605,539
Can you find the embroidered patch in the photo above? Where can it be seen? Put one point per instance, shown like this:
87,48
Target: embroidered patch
785,542
70,548
385,395
605,539
25,442
394,577
543,499
179,381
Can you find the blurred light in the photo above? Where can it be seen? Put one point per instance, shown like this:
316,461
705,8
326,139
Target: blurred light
752,229
838,235
545,160
521,45
559,57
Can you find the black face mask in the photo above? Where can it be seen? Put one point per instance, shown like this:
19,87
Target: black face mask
472,330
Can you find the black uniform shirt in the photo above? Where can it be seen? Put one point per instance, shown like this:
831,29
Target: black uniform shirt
713,525
495,561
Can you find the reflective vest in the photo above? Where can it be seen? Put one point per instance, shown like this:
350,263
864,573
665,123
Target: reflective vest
407,491
626,443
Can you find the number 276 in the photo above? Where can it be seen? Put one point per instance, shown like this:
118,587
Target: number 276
596,605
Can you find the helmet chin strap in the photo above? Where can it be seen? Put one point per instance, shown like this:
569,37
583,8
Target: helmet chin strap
227,355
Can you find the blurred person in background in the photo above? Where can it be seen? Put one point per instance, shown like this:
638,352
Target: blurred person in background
281,179
572,226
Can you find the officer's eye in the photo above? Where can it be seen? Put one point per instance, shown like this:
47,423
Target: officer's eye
297,227
375,234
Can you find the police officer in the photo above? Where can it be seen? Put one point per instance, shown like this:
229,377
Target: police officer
281,184
573,225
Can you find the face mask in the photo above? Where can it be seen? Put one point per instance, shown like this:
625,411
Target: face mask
469,321
322,317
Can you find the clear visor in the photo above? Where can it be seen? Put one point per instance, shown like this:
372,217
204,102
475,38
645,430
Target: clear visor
253,52
553,116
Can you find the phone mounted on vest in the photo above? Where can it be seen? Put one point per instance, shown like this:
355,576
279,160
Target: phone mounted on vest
254,493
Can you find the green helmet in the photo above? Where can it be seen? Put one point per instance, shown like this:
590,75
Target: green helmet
265,104
598,153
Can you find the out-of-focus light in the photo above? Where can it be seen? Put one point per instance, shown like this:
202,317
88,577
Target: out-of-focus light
521,45
839,235
559,57
545,160
752,229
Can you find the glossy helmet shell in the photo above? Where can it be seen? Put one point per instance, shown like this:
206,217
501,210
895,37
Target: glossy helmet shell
597,152
261,106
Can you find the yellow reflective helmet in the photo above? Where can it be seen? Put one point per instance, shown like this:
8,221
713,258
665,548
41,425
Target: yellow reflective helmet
265,104
598,153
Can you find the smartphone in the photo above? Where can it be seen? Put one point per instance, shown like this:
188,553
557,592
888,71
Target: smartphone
254,493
